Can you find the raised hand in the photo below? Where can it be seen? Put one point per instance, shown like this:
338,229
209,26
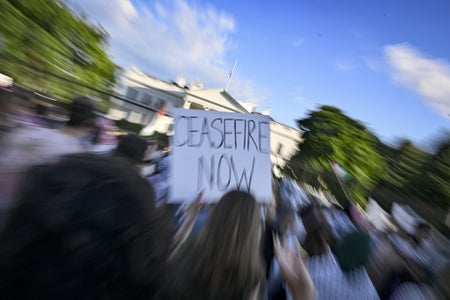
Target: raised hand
191,211
293,270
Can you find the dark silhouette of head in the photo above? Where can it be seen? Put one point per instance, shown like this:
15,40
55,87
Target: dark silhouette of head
132,147
81,112
318,236
84,228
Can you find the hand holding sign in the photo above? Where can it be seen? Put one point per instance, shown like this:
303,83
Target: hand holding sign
195,206
191,211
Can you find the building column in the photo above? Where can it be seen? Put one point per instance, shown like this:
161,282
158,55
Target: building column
187,104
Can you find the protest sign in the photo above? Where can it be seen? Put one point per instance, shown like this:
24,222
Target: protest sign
218,152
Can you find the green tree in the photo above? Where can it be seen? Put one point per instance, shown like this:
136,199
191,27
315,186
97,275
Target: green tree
43,40
331,136
432,183
417,174
405,165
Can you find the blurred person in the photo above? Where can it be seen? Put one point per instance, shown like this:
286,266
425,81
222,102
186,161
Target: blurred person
412,291
83,228
350,240
294,271
42,109
358,217
165,163
288,227
318,238
438,289
330,278
224,260
429,258
14,111
26,146
131,147
353,250
81,125
23,146
420,261
24,113
160,179
421,234
189,217
5,122
104,139
270,228
7,125
440,286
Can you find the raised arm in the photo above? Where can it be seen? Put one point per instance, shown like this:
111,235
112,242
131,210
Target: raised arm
294,271
185,229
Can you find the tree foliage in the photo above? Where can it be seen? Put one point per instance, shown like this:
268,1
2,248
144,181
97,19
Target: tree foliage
43,40
331,136
435,177
415,173
405,164
129,126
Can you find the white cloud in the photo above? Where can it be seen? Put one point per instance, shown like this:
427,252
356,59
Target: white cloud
298,98
344,66
128,9
171,38
428,77
298,42
245,90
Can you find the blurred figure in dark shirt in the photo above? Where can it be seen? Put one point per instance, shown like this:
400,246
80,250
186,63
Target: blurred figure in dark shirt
84,228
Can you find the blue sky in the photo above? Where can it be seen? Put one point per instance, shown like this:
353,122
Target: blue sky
385,63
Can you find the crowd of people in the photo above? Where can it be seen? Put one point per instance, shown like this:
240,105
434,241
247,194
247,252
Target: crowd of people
83,224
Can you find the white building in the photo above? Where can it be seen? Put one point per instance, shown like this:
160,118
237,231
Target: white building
146,94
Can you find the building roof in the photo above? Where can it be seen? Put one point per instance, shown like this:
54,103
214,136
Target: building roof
138,77
218,97
215,97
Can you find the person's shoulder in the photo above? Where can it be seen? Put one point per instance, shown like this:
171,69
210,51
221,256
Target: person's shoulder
26,145
38,134
28,132
31,145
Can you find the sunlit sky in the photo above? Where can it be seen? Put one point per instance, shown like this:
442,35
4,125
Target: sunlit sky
385,63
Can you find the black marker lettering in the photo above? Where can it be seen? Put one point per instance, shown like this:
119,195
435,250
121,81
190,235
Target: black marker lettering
247,178
262,136
251,128
223,187
245,135
220,131
191,131
178,134
237,132
204,170
225,133
204,131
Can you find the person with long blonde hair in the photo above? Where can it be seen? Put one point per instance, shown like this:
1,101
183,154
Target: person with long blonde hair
224,261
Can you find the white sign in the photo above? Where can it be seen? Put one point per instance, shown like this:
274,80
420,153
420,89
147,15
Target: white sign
218,152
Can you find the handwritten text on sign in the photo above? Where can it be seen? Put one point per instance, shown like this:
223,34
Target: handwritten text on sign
218,152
